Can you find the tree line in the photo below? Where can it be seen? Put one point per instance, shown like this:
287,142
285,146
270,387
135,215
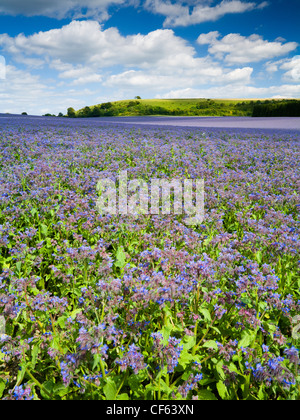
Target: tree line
284,108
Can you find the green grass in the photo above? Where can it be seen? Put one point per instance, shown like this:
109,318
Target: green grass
186,103
183,107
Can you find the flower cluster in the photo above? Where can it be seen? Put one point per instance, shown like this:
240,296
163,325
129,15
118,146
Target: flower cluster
96,305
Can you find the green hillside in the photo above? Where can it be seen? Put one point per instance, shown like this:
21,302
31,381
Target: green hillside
190,107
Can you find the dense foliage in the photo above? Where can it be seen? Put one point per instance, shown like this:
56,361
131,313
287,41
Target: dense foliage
112,307
277,109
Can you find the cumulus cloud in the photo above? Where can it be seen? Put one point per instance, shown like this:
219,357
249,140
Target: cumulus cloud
84,42
293,69
237,49
60,9
182,14
82,48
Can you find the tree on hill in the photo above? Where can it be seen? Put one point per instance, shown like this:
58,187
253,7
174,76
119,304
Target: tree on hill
71,113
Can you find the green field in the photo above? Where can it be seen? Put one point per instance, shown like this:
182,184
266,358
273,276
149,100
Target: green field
191,107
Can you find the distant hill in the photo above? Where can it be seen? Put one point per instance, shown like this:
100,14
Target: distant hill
191,107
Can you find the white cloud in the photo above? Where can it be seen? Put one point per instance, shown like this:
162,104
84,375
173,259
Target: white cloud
82,48
139,79
190,78
88,78
22,91
293,69
80,75
59,9
236,91
179,14
209,38
2,67
19,90
271,67
237,49
84,42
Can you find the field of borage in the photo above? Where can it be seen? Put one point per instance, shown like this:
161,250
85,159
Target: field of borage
112,307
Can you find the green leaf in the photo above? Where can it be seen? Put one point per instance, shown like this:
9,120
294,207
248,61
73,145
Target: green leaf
34,354
97,361
258,256
136,380
75,312
211,344
48,387
185,359
21,373
120,257
222,390
2,386
35,291
123,397
261,394
189,343
110,389
60,389
33,211
19,266
206,314
204,394
164,387
134,383
219,369
246,338
44,229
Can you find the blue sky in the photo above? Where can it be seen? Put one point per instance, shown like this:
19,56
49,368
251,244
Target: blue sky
56,54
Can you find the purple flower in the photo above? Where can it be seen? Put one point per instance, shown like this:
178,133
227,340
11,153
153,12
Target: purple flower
65,373
168,354
271,371
292,354
219,311
20,393
133,358
190,384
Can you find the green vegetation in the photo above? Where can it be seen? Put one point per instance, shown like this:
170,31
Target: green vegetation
285,108
190,107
